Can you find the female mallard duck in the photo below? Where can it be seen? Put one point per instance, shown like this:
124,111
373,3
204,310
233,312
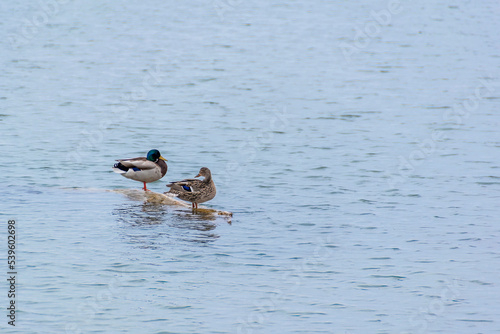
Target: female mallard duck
145,170
193,190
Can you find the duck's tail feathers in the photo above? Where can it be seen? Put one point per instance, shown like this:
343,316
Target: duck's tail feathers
119,168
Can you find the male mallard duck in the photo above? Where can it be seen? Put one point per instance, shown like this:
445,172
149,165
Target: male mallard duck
193,190
145,170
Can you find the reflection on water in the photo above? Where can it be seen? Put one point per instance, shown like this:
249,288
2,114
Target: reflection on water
141,215
149,224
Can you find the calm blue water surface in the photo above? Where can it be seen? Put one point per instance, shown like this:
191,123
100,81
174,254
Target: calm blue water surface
356,143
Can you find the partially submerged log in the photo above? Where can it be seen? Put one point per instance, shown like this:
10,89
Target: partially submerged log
169,199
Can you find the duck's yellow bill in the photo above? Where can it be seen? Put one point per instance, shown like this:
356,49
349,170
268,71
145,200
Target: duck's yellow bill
162,158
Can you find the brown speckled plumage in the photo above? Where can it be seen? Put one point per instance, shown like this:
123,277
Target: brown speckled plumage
194,190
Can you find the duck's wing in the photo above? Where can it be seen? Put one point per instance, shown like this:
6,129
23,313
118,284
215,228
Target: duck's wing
186,186
141,163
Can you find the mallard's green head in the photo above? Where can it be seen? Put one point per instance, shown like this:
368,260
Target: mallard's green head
155,155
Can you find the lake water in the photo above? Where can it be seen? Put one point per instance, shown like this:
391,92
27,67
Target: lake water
356,143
